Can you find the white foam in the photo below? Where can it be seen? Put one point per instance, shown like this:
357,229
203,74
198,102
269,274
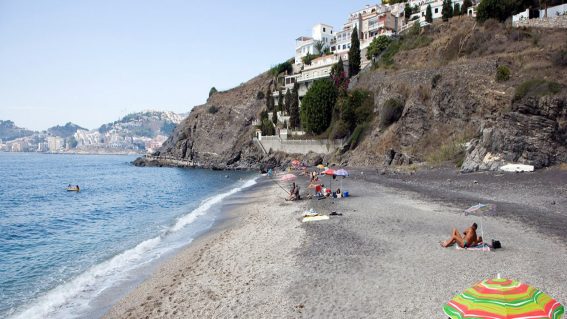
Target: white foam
70,299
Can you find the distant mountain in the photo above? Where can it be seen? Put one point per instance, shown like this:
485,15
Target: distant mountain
9,131
144,124
64,131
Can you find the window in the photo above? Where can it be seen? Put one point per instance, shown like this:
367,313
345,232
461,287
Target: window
436,10
324,30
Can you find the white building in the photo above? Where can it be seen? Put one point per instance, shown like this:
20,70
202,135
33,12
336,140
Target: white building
307,45
55,143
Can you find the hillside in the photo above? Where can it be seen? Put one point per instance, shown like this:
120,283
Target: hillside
64,131
453,109
147,124
9,131
451,98
219,132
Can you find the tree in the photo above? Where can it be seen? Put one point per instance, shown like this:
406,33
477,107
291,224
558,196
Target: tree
447,10
287,103
317,106
275,116
354,54
307,58
294,107
428,14
212,91
319,46
269,99
339,77
377,45
280,101
499,9
457,10
407,11
466,5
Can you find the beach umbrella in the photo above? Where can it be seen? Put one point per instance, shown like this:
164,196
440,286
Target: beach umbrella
503,299
481,210
288,178
330,172
342,172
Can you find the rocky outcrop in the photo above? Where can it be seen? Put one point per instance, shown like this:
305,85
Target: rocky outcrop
534,132
218,134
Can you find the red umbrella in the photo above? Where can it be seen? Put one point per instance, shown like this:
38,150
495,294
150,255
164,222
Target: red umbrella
331,173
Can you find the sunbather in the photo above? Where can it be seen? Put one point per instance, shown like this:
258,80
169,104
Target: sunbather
468,239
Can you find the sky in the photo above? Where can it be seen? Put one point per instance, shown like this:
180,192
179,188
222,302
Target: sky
91,62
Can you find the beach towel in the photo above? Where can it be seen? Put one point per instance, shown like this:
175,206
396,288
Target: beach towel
314,218
479,247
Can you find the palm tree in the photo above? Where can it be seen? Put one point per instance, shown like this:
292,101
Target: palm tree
319,46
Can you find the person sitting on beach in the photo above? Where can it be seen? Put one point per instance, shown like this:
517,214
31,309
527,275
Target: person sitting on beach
468,239
296,193
291,192
339,195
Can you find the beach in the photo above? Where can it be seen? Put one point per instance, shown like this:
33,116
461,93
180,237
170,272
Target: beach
380,259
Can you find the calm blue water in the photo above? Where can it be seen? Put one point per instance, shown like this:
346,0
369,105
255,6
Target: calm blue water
61,250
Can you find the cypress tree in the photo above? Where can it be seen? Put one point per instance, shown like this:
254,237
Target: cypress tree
457,10
354,54
280,101
294,107
466,5
428,14
269,99
287,104
275,116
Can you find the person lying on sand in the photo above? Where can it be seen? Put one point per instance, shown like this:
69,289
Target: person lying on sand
468,238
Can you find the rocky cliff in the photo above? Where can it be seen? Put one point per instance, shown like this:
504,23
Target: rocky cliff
454,104
219,133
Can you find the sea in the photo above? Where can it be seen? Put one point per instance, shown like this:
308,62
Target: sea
73,254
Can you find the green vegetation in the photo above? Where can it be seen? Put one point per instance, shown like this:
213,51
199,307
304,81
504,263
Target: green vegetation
377,46
503,9
294,107
212,91
407,11
354,54
319,47
317,106
457,10
453,150
286,66
502,73
428,14
466,5
308,58
260,95
269,99
537,88
288,101
266,126
212,109
280,100
275,116
391,112
447,10
560,58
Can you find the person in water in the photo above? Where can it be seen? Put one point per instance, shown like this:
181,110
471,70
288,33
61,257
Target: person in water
468,238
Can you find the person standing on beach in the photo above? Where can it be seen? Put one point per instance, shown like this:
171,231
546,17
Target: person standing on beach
468,238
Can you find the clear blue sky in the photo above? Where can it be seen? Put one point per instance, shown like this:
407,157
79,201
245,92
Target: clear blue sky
93,61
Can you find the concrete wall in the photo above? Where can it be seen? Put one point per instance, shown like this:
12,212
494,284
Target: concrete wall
274,143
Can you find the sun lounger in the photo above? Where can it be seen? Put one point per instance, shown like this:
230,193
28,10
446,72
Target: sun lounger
315,218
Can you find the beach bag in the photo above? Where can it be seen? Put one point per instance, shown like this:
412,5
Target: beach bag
496,244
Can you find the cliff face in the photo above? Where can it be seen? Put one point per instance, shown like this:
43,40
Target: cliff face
451,98
219,133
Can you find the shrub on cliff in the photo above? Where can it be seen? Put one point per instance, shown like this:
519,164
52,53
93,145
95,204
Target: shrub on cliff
502,73
260,95
391,112
317,106
213,109
212,91
536,87
377,45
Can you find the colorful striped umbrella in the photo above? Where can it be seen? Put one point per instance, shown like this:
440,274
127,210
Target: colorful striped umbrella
503,299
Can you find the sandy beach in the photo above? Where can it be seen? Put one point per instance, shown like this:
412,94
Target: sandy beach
380,259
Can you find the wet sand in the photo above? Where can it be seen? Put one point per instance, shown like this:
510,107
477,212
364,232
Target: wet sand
380,259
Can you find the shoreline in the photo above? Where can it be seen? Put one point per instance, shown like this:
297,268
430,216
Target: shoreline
381,258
